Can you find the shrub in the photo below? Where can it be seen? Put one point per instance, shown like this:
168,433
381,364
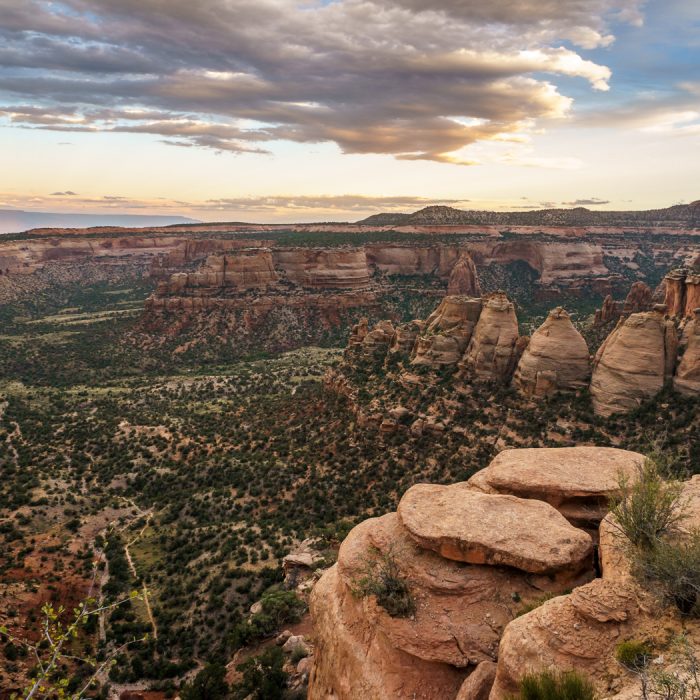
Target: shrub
551,685
633,655
263,677
674,566
648,507
208,684
382,578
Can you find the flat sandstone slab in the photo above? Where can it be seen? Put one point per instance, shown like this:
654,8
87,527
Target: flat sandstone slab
479,528
553,474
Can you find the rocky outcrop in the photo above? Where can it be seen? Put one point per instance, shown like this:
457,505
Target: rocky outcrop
460,613
332,268
477,528
581,631
633,363
463,278
682,292
556,358
687,378
375,344
577,481
638,299
609,311
405,337
447,332
470,561
492,353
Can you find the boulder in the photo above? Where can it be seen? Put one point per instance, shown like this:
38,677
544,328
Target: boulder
467,525
492,354
463,278
577,481
633,363
478,685
687,378
556,358
447,332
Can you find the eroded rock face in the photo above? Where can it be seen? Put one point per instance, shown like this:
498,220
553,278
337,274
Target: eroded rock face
463,278
581,631
687,378
682,288
447,332
556,358
638,299
577,481
376,343
492,354
633,363
609,311
461,611
405,337
466,525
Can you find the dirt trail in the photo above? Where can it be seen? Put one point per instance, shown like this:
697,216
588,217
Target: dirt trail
132,568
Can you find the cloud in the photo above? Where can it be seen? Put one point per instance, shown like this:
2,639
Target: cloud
291,205
593,201
416,79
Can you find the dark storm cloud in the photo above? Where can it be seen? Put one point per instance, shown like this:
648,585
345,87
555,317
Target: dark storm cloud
418,80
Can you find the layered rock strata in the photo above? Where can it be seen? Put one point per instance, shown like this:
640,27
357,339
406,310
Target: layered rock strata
577,481
581,631
555,359
405,337
447,332
471,561
682,289
492,353
463,278
687,377
633,363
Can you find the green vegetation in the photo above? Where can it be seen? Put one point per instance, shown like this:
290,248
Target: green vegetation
633,655
263,677
381,577
208,684
550,685
648,506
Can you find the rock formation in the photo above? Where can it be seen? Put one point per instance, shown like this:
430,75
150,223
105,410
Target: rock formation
375,344
405,338
447,332
581,631
491,354
638,299
609,311
687,378
463,524
471,560
577,481
682,292
633,363
463,278
555,359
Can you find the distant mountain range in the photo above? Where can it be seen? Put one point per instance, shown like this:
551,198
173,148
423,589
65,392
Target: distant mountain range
15,221
686,215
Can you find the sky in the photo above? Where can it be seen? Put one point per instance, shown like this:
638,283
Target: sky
318,110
